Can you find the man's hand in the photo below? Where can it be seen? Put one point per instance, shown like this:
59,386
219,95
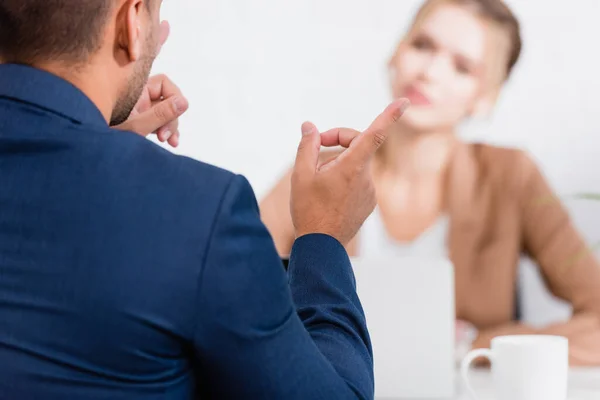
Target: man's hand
160,105
335,198
158,110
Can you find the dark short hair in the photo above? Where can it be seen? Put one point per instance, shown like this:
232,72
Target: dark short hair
34,31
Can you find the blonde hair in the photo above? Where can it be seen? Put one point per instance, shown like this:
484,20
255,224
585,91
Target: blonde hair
505,25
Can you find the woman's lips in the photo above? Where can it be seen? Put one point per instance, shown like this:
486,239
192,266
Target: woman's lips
416,97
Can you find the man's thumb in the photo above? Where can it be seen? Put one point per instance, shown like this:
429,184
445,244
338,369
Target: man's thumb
307,157
157,116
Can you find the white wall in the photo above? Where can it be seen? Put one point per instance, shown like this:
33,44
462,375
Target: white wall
255,70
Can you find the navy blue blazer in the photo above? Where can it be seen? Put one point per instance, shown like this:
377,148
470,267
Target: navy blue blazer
128,272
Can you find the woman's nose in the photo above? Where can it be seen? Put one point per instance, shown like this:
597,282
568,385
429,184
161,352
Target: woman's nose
436,67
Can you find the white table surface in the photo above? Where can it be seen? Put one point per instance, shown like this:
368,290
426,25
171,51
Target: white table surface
584,384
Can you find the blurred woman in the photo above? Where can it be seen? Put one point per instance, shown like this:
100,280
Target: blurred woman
481,206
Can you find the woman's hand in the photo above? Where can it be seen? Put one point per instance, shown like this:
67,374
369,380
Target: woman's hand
582,331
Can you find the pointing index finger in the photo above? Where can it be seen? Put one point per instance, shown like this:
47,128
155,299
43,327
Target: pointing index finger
365,145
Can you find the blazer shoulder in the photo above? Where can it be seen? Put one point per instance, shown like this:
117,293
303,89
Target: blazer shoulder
209,183
188,173
188,186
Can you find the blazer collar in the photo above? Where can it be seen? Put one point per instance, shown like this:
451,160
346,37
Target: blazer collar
47,91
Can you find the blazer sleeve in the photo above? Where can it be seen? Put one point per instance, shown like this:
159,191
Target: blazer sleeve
263,334
568,265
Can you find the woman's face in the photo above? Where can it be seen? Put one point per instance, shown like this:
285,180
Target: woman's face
441,67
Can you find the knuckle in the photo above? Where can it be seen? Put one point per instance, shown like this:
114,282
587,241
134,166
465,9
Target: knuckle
358,170
161,113
379,137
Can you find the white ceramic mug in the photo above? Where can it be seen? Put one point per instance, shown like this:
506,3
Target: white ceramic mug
528,367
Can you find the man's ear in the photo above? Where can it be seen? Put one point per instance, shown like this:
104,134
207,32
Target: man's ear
129,28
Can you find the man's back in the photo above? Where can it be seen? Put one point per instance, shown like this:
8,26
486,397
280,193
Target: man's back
102,236
127,272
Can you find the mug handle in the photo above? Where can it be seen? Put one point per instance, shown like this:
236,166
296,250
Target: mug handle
466,365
